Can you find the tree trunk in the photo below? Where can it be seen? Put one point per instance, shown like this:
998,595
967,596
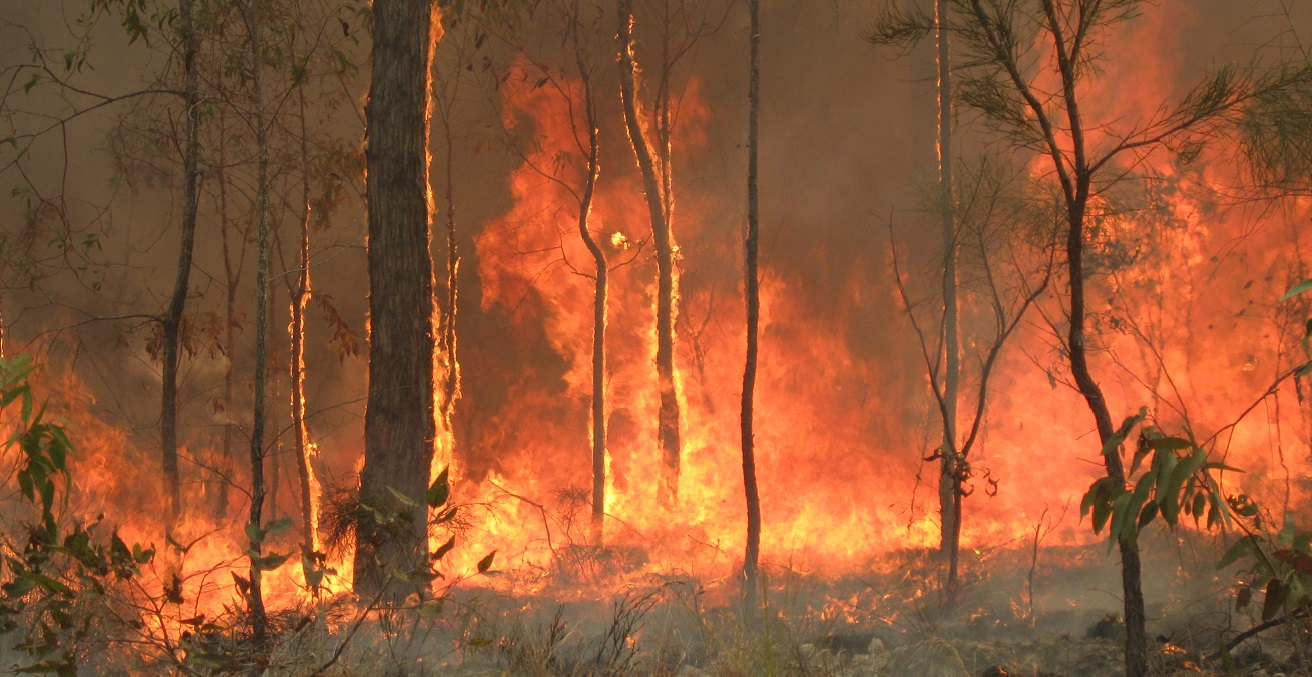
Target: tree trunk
232,279
751,290
172,318
399,420
949,482
300,295
256,596
667,431
599,291
1136,647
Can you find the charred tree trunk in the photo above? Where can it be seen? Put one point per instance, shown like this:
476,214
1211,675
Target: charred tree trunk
751,289
399,421
255,597
668,422
300,295
950,479
172,318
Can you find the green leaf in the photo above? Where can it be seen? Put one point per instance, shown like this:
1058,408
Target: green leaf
402,498
279,526
1148,514
431,610
1200,501
1169,502
486,563
254,533
1101,511
1170,443
1183,472
1119,510
1113,444
1297,289
440,492
269,562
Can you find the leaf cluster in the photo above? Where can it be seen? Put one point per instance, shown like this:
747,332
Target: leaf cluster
1179,480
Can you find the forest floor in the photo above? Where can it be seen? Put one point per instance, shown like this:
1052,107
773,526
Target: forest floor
888,621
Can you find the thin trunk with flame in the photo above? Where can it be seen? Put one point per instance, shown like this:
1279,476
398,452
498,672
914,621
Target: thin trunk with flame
752,291
299,292
668,431
172,318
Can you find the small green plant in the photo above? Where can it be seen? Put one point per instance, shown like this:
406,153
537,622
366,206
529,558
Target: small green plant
58,574
1177,481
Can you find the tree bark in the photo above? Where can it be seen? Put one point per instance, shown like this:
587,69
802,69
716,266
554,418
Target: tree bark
667,431
751,290
255,598
172,318
399,421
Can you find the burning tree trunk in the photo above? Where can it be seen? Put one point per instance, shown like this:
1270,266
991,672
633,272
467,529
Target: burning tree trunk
255,596
171,321
663,238
399,420
751,289
447,336
299,292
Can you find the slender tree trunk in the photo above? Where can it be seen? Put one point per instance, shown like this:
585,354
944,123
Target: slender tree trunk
256,596
599,290
950,479
300,295
752,292
1076,190
598,328
399,422
232,278
668,421
448,343
1136,647
172,318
